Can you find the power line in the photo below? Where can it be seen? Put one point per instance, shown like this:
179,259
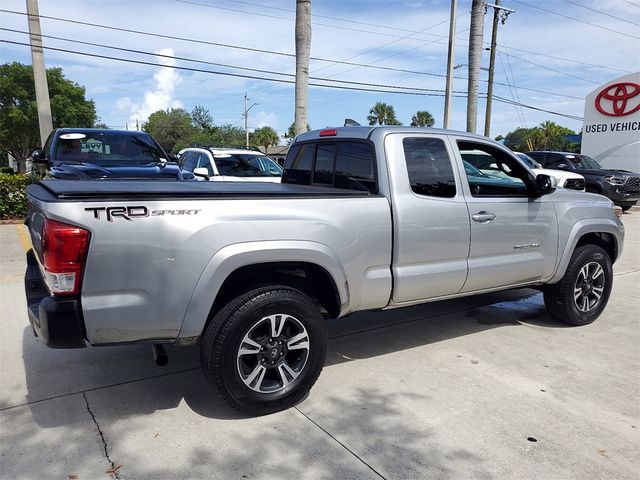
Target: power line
577,19
554,70
293,19
224,45
253,77
269,72
601,12
577,62
511,102
270,52
321,16
513,97
632,3
415,91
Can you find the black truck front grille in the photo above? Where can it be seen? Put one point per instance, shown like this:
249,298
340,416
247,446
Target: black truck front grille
633,184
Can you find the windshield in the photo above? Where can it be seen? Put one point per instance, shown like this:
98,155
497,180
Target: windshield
247,165
531,163
582,161
108,149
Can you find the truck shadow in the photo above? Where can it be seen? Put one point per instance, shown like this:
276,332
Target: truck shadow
108,372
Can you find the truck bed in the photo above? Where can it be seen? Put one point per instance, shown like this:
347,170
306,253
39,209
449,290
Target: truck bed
52,190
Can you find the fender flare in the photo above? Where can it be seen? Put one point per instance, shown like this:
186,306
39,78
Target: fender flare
228,259
581,228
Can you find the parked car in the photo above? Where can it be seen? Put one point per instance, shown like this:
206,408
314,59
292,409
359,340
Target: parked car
97,154
621,186
366,218
230,164
565,179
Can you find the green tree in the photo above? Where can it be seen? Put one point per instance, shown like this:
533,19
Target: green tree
227,135
265,136
422,118
291,133
172,128
19,130
546,136
382,114
201,118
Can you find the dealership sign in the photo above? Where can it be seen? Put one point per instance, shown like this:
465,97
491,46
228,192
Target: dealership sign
619,99
611,131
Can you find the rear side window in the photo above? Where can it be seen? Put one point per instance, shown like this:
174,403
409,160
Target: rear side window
298,164
325,161
355,167
341,164
429,167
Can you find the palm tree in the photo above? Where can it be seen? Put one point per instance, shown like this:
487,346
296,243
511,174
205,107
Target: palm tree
382,114
303,47
265,136
422,118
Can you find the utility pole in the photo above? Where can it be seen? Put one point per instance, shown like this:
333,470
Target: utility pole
498,13
245,115
450,59
475,56
39,72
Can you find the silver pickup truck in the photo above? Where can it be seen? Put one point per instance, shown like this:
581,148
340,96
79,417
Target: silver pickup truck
366,218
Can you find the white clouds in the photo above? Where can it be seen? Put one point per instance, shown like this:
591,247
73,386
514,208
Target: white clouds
161,97
263,119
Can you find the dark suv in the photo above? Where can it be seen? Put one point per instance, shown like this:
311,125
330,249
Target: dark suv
621,186
96,154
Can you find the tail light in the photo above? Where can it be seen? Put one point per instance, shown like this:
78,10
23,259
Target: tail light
64,251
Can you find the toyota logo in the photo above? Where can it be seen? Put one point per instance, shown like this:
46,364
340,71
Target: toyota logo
617,100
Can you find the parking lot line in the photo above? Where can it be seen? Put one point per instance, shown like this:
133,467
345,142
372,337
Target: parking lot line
24,239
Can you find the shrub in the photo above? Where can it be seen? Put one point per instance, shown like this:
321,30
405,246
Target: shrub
13,196
6,170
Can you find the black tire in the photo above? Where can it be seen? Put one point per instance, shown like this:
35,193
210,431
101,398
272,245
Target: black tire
626,208
559,298
245,319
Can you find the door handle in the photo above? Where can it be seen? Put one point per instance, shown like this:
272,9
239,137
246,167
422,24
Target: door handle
483,217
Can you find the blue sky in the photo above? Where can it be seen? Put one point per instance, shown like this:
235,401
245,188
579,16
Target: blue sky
552,60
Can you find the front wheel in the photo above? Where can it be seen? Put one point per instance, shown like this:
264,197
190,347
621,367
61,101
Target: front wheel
583,292
264,350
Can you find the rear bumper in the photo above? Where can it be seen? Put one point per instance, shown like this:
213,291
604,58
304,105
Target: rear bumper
57,321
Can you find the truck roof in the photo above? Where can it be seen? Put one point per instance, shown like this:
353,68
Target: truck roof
365,132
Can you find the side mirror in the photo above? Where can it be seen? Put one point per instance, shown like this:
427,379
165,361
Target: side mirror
38,156
545,184
201,172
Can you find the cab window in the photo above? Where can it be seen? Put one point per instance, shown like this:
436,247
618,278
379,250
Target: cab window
495,173
429,167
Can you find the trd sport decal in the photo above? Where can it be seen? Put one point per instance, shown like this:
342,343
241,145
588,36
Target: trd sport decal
129,213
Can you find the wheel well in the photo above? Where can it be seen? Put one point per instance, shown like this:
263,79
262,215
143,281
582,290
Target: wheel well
311,279
604,240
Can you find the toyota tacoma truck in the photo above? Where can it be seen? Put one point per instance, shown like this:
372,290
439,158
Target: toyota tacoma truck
366,218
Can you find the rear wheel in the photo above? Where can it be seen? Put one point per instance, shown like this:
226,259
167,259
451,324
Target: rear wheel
583,292
626,207
264,350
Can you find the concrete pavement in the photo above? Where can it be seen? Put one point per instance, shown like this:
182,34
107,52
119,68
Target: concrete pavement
488,387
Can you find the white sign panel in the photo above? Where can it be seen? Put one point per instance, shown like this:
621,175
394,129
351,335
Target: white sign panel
611,130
